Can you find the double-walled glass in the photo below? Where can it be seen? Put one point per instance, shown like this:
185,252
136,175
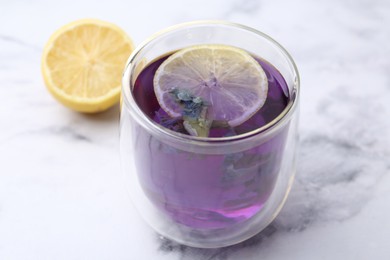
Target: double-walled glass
208,192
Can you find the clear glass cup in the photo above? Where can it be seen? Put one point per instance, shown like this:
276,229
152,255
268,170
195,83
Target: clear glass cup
208,192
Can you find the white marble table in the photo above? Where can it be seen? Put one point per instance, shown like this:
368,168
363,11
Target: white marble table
61,191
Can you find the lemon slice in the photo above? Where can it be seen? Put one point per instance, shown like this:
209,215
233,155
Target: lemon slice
229,80
82,64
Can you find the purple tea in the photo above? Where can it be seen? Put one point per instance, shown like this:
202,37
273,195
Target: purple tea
209,191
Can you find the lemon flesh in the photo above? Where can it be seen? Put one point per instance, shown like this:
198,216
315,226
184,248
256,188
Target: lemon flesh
228,79
82,64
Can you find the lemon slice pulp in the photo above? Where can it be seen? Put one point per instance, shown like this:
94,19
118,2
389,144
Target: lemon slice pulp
82,64
228,79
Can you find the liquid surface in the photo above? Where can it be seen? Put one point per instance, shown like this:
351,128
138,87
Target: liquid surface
276,102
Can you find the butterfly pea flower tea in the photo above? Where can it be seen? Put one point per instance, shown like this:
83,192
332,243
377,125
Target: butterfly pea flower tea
208,131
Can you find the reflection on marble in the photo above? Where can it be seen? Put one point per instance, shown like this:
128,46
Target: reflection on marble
61,192
185,252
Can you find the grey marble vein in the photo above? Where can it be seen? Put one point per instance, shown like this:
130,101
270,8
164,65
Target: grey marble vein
17,41
245,7
64,132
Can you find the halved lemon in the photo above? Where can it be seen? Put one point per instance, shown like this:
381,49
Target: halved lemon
82,64
228,79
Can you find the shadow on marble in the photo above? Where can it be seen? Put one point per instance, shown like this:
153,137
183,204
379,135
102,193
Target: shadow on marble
110,115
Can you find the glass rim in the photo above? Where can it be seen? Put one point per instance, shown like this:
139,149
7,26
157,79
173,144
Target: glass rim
131,104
